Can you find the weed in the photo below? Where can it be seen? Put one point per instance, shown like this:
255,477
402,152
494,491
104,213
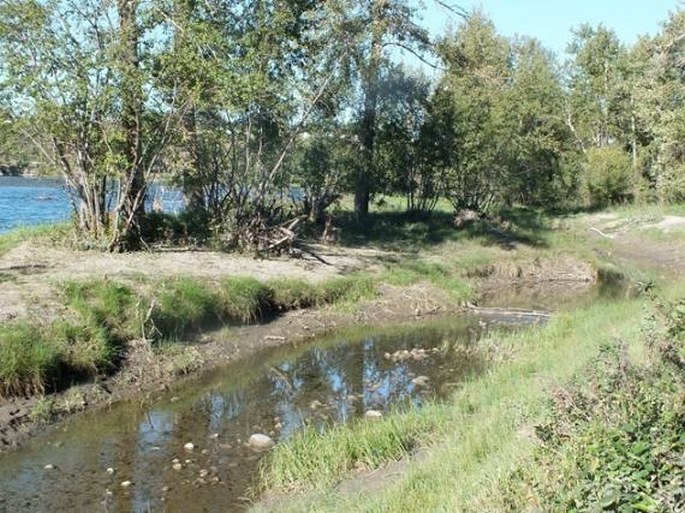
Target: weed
43,411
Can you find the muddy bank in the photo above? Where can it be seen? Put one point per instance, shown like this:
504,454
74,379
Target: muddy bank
147,374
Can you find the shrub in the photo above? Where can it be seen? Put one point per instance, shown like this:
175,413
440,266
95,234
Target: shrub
608,176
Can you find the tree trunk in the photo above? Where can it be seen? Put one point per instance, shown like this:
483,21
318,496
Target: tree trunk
366,172
191,183
133,190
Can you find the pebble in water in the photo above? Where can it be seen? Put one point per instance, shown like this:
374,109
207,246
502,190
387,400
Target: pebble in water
177,466
420,381
126,484
189,447
260,442
110,471
49,466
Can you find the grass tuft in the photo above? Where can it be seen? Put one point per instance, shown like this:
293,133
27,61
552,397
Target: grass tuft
27,360
244,299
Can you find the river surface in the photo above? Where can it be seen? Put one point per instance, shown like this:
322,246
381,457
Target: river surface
34,201
275,392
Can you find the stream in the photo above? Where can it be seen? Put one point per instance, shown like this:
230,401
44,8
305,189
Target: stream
82,466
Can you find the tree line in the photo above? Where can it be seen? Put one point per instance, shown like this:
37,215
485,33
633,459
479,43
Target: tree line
261,110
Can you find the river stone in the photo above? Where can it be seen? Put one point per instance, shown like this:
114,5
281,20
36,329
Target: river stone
126,484
110,471
177,466
49,466
260,442
373,415
189,447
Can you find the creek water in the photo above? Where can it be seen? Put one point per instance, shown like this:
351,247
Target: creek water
34,201
276,392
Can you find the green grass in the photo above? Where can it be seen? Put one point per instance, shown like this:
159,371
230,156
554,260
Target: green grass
27,360
244,299
365,444
475,439
106,304
52,232
182,305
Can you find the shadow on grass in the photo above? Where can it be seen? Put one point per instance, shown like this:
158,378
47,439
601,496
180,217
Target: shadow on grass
407,231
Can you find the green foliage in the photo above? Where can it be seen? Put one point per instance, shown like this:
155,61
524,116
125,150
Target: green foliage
615,441
291,294
84,350
348,289
608,176
27,360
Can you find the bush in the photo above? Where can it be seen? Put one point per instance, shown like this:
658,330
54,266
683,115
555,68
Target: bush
608,177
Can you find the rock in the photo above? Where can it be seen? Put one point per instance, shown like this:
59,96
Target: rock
189,447
214,436
420,381
174,399
110,471
373,415
204,473
165,489
260,442
177,466
126,484
175,460
49,466
314,404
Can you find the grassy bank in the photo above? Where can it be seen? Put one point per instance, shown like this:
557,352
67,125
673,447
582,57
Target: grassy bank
103,315
478,440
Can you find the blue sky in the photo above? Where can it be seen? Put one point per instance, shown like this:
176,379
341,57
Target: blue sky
551,21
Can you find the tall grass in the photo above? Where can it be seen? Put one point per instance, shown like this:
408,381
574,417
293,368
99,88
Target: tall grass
27,360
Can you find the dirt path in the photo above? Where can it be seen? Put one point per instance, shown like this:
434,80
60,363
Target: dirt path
645,244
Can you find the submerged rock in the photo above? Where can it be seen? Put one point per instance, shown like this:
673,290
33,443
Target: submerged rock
261,442
420,381
189,447
126,484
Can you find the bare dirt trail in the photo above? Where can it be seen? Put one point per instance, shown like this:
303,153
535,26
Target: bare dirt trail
657,245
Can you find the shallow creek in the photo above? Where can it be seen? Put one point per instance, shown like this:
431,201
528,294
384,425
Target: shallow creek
82,466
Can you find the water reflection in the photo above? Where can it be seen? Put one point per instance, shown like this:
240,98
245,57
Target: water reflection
274,393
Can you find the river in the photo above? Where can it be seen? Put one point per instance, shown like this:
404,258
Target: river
335,379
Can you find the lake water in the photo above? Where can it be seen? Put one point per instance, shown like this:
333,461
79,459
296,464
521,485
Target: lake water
34,201
31,201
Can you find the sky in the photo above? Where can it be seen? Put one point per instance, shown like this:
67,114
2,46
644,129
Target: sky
551,21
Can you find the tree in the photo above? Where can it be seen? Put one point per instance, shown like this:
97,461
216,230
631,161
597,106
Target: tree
470,119
539,141
75,69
